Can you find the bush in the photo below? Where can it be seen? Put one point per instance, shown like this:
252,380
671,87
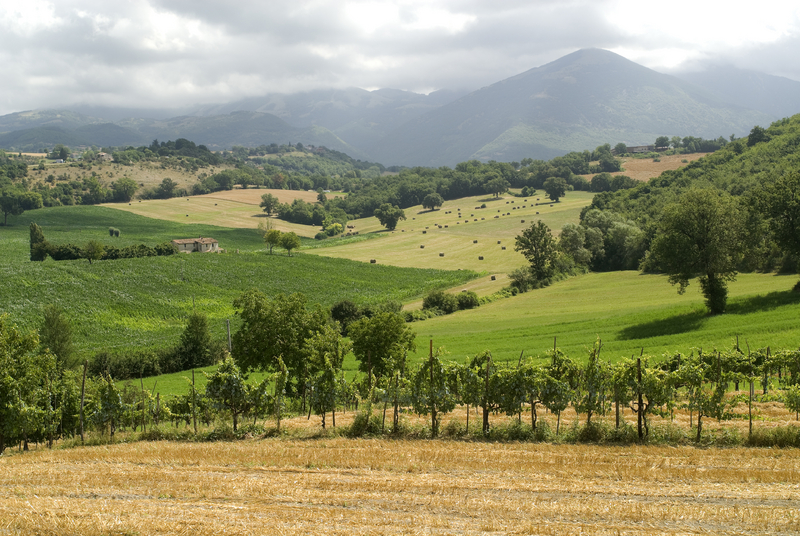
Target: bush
320,236
437,299
165,249
522,279
467,300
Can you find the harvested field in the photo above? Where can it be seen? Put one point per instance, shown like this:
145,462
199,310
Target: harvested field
342,486
332,485
644,169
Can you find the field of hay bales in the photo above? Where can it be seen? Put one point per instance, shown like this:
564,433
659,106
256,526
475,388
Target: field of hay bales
371,486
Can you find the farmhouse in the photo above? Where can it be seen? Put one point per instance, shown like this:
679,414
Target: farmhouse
202,245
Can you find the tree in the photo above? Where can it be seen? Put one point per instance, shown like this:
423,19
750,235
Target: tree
381,342
196,347
389,215
38,243
15,202
662,141
276,328
621,148
780,201
757,135
166,189
93,251
539,247
496,186
55,334
227,389
289,241
272,238
432,201
555,188
124,189
269,203
702,235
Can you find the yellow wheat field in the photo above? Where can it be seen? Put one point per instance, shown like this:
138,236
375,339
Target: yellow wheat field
332,485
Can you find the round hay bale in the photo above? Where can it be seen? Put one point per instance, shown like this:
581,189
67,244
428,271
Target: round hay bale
522,221
494,278
373,261
421,247
441,254
480,258
474,241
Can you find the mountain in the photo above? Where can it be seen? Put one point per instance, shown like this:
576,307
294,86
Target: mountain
577,102
773,95
355,115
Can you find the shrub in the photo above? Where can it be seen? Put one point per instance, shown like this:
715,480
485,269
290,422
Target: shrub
437,299
320,236
165,249
522,279
467,300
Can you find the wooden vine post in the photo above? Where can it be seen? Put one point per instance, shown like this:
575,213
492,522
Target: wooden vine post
639,398
194,405
83,391
433,397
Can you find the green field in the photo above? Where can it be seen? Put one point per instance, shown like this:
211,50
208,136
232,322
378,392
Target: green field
131,303
628,311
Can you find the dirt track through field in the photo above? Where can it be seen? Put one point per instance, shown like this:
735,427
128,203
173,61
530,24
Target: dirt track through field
342,486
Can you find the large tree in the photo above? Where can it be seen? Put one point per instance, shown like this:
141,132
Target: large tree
780,201
389,215
15,202
539,247
273,328
269,203
380,342
432,201
289,241
555,188
700,236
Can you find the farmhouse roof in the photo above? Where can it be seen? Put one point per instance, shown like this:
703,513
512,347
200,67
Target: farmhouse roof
200,240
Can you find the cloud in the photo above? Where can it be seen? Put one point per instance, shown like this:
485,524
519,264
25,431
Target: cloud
164,53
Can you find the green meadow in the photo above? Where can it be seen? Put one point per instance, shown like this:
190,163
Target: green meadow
628,311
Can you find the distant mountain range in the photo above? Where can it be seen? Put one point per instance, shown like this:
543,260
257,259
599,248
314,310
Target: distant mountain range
577,102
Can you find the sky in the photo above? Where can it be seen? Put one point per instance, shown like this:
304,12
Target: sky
174,53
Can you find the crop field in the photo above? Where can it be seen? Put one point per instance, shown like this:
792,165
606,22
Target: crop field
628,311
345,486
479,232
144,302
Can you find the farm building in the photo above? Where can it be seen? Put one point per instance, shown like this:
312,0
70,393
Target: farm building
202,245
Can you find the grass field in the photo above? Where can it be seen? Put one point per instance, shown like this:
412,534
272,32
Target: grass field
144,302
457,235
628,311
341,486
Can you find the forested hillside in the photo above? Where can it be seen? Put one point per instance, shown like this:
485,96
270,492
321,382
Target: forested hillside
737,208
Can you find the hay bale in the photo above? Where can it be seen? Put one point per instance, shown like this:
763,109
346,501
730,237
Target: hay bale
372,261
424,232
441,254
480,258
421,246
522,221
474,241
493,278
503,248
498,241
